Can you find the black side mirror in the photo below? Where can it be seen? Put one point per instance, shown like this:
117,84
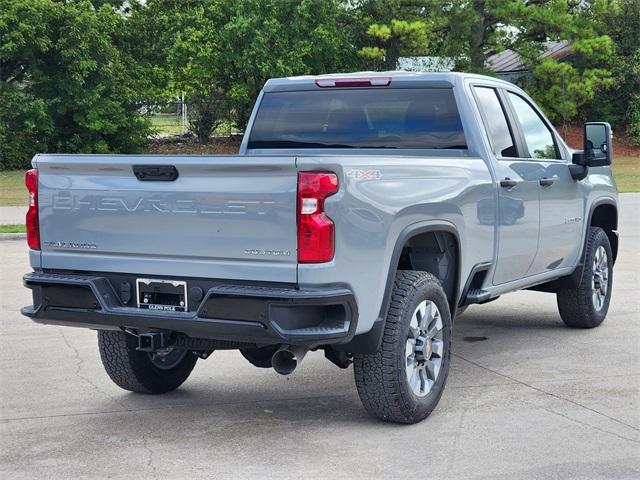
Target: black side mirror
597,144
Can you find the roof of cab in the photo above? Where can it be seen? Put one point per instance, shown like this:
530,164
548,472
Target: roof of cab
399,79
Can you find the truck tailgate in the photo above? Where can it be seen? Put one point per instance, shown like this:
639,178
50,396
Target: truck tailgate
227,217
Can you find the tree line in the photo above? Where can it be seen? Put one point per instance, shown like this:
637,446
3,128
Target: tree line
74,73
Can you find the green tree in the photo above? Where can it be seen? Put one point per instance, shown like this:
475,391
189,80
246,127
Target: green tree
24,123
567,88
619,103
465,31
399,38
234,47
474,30
67,81
207,111
276,38
562,88
190,35
387,30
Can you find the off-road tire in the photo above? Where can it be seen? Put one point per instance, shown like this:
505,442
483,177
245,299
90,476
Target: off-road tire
576,305
381,377
133,370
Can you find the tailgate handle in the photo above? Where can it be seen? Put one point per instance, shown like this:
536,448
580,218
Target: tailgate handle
155,173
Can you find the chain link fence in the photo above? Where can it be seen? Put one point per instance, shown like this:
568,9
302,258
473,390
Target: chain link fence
179,118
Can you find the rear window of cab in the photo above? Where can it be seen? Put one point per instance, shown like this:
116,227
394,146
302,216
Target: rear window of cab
358,118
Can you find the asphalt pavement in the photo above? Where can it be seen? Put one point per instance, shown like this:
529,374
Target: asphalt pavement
526,398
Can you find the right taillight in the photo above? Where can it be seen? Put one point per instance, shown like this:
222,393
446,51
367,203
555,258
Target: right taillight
315,228
32,222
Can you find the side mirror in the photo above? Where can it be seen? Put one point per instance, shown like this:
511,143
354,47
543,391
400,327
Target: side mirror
597,144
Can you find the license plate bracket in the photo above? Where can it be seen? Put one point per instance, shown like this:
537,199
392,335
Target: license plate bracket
161,295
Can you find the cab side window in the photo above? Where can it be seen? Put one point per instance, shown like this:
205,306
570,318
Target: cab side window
538,136
495,122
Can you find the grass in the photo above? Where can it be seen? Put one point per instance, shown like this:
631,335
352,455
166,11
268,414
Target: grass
13,193
12,229
166,125
626,171
12,190
170,125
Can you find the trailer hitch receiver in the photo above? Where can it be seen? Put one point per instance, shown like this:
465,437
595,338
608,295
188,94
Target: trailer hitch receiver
152,341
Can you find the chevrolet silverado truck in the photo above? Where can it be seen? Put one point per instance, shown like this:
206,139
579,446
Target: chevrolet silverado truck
362,214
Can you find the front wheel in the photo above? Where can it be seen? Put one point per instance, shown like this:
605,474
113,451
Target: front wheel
586,306
403,381
143,372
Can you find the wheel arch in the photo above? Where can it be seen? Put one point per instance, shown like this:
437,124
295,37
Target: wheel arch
419,235
604,214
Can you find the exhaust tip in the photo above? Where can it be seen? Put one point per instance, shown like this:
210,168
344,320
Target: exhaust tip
287,359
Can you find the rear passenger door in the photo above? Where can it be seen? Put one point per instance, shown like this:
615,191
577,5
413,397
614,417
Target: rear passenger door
561,202
518,212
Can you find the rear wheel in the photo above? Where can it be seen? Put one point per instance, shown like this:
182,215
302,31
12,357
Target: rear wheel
403,381
143,372
586,306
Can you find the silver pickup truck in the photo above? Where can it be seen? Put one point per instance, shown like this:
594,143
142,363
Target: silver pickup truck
363,213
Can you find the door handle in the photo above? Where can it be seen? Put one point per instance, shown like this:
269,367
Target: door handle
508,183
546,182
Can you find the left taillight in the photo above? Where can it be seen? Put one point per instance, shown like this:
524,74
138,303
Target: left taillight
32,221
315,228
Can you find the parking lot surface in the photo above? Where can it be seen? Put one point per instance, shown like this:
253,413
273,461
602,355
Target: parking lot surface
526,398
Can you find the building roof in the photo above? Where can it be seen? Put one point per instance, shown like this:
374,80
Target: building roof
510,61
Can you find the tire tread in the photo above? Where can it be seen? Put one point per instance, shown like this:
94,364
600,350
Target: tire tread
133,370
376,374
575,305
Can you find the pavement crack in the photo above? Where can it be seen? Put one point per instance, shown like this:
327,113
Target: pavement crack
78,371
551,394
150,457
588,425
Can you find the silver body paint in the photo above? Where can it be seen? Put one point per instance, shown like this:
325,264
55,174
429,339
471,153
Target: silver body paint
234,217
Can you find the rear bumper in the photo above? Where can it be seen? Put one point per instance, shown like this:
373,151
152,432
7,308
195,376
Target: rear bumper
244,313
